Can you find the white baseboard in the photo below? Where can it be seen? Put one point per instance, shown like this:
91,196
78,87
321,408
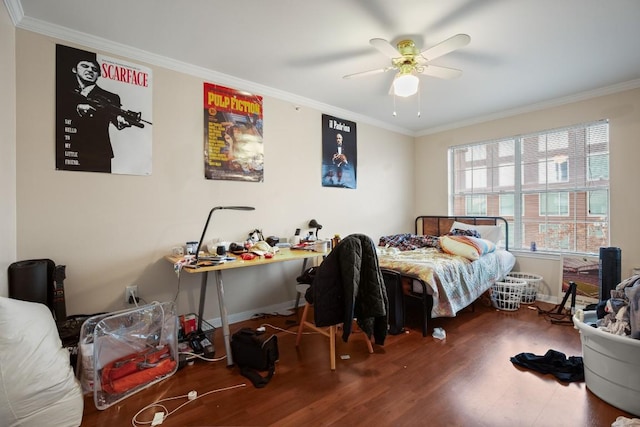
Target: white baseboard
282,308
287,307
547,298
556,300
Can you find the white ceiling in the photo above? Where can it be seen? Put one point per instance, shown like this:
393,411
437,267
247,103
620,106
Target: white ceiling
524,54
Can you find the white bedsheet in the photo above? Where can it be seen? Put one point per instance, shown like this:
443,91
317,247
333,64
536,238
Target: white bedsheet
453,281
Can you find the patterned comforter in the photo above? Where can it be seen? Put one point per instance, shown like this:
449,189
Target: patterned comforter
454,281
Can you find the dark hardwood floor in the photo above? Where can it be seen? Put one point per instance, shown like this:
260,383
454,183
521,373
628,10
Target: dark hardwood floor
465,380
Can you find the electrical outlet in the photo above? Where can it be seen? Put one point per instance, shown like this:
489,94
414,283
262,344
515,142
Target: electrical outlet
131,294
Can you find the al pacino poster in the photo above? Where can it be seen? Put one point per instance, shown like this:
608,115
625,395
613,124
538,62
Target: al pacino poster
339,153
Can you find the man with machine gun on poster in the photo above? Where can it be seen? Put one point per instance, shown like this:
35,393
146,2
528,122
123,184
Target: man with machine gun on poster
90,118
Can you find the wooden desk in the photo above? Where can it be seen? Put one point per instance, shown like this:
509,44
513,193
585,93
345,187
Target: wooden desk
284,254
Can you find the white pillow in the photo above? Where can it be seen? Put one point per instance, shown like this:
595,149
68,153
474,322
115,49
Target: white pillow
37,384
468,247
493,233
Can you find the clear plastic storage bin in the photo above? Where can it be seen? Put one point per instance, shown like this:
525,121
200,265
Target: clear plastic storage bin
611,364
127,351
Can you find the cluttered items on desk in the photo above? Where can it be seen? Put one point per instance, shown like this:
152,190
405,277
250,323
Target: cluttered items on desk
311,242
246,253
189,261
315,245
262,248
307,246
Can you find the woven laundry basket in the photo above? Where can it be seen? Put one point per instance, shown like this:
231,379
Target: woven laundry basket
506,295
530,292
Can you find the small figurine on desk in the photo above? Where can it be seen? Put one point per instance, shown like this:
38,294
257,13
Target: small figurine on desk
255,236
296,237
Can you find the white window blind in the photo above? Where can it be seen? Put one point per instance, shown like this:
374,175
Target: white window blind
551,186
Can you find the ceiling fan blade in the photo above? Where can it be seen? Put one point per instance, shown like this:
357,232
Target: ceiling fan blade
441,72
368,73
449,45
385,47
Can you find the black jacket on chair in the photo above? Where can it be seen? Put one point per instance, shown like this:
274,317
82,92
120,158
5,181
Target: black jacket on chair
349,284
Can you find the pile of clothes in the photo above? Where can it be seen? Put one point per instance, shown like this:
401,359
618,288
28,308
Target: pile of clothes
620,314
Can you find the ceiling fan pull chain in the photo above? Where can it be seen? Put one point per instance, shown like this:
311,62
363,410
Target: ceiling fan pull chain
394,105
419,103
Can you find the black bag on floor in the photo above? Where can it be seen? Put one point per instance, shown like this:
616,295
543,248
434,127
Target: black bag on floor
255,351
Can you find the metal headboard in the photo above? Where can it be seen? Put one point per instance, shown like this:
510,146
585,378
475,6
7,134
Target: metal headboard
437,225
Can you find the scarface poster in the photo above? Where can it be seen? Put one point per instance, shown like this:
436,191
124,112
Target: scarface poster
339,152
103,114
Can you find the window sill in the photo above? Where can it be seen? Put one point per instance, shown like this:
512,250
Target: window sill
535,254
548,255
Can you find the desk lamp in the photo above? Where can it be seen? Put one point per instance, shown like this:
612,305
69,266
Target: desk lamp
217,208
314,224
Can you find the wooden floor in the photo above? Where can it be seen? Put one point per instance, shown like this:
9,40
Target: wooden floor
465,380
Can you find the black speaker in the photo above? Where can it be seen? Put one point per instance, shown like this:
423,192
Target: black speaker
609,271
32,280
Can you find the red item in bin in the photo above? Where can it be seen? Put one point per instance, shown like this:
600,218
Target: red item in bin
136,369
188,323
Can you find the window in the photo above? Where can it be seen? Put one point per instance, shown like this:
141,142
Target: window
554,236
551,186
598,167
505,175
506,205
553,170
477,152
476,178
476,205
553,204
597,202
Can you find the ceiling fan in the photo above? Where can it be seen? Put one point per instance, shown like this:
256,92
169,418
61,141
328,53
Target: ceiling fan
410,62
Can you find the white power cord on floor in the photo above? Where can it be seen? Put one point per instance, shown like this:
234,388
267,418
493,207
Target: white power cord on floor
164,413
201,357
286,330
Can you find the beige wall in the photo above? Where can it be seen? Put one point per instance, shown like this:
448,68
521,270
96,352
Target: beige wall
113,230
623,111
7,148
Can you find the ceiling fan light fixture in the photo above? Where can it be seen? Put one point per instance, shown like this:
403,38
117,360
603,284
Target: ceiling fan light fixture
406,85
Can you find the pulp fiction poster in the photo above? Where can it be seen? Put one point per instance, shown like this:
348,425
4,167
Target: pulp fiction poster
233,147
339,152
103,113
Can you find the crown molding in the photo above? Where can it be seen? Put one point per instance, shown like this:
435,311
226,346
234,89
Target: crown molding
108,46
582,96
16,13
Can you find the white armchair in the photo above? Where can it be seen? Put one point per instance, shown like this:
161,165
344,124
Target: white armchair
37,383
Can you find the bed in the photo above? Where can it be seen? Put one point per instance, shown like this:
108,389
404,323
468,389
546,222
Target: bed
443,283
